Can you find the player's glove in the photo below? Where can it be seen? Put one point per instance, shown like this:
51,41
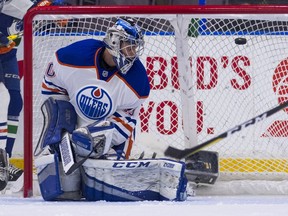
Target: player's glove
6,45
16,38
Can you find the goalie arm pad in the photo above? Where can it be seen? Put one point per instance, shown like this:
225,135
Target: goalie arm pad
59,116
134,180
125,122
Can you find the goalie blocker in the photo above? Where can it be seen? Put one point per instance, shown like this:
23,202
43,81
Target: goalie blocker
95,179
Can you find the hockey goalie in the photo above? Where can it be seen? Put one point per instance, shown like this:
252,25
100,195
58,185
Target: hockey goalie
94,90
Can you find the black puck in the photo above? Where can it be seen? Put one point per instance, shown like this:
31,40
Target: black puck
240,41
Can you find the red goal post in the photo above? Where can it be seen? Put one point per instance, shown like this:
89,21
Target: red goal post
202,82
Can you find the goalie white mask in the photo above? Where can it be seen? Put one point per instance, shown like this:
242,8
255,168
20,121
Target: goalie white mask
125,43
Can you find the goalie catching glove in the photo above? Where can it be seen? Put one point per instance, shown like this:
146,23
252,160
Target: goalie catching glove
93,140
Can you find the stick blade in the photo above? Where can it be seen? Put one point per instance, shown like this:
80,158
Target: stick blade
175,153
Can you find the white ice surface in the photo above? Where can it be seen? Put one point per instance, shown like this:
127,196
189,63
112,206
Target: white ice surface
194,206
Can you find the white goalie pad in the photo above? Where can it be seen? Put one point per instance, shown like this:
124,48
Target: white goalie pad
133,180
54,183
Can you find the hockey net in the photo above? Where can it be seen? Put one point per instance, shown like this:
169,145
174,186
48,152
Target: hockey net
203,81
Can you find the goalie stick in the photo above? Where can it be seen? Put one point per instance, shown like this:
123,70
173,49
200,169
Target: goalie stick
180,154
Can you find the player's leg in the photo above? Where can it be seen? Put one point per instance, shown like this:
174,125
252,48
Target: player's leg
12,83
3,114
4,95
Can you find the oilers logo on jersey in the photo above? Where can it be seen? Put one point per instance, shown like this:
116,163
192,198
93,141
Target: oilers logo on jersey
94,102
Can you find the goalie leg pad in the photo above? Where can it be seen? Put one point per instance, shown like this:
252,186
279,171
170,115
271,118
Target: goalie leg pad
133,180
58,116
94,140
54,184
